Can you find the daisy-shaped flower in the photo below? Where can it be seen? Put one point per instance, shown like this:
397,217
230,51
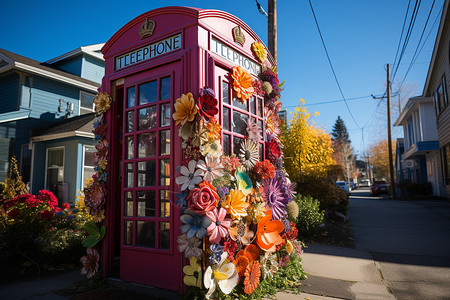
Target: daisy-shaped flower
272,122
223,274
190,247
214,149
219,225
194,224
268,233
265,169
207,106
241,262
212,167
102,103
193,273
253,131
248,154
252,274
275,198
259,50
269,264
235,204
214,130
242,83
90,263
190,176
239,231
185,109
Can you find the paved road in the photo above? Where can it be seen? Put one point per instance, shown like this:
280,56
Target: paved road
410,240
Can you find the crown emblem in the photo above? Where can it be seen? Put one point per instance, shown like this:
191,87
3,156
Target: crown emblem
147,28
238,35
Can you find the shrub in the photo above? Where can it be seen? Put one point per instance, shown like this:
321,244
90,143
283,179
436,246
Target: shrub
310,216
412,190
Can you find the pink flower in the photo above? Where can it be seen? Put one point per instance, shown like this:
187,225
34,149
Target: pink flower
90,263
66,206
219,225
14,213
211,166
47,214
48,197
94,197
203,199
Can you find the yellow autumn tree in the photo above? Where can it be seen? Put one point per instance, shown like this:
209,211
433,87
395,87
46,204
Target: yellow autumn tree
379,156
307,148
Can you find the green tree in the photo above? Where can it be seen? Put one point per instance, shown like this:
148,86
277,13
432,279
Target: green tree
14,185
339,133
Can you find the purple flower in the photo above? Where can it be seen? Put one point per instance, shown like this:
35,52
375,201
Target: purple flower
194,224
275,198
181,199
207,91
223,191
217,251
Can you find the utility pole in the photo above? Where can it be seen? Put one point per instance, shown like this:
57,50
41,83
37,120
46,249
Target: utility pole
391,164
272,28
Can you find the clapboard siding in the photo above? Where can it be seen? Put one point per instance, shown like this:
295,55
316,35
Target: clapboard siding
73,65
93,68
9,92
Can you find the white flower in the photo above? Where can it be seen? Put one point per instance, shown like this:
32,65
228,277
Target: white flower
190,177
190,247
224,274
214,149
211,166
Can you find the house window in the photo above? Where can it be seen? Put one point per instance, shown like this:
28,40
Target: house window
445,152
54,168
440,96
88,162
86,103
25,163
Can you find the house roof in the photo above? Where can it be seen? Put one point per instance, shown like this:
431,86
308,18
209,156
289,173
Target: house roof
77,126
10,60
92,50
409,107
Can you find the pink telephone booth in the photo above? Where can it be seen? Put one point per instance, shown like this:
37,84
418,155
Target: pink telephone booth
149,63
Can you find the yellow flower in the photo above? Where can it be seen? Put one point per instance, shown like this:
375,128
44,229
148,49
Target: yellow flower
185,109
102,103
243,83
193,273
100,216
235,204
102,164
214,129
259,50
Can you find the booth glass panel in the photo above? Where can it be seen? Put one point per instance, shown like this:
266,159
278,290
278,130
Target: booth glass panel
131,94
165,88
129,149
240,123
225,92
145,234
164,173
128,209
252,105
164,203
226,144
226,119
129,182
164,235
128,233
130,121
147,144
146,173
165,114
147,118
146,204
148,92
164,142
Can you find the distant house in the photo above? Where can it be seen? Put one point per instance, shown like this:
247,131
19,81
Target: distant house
46,117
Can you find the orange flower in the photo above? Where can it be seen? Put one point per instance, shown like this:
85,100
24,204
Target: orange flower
235,204
241,264
268,233
242,83
214,129
185,109
252,274
265,169
251,251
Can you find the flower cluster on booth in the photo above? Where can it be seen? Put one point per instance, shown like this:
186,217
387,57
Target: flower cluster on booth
236,223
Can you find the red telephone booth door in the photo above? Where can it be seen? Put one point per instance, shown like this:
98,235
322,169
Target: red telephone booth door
150,219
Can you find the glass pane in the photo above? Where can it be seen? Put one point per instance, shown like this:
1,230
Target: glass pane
164,203
260,125
128,200
87,100
145,234
146,173
164,235
164,142
226,144
129,175
253,105
147,144
147,92
226,118
225,92
54,176
55,158
147,118
88,172
239,123
260,108
89,156
165,88
239,104
164,179
146,204
129,148
165,114
130,119
261,152
237,145
131,96
127,233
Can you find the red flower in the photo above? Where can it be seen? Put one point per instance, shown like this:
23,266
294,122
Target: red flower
292,234
48,197
207,106
14,213
47,214
273,150
265,169
230,247
65,206
32,201
203,199
9,203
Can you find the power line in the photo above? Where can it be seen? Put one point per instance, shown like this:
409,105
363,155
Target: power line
331,65
401,35
331,101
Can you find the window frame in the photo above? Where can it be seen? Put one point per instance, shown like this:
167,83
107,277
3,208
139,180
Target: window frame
440,96
63,148
83,178
80,107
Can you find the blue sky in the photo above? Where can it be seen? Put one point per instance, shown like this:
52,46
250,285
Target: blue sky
361,38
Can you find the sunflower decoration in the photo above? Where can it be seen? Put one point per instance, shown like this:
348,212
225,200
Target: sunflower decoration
248,154
185,109
102,103
242,84
259,51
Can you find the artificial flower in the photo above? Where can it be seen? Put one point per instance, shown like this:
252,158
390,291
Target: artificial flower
259,51
206,90
216,255
264,169
272,122
203,199
194,224
251,251
244,183
235,204
219,225
214,130
200,134
271,77
90,263
102,103
230,163
190,247
240,232
190,177
269,264
207,106
257,211
252,274
241,263
185,109
223,191
292,234
273,150
211,166
275,199
223,274
185,131
214,149
193,273
248,154
257,87
253,131
15,212
99,217
242,83
289,246
283,261
230,247
102,150
181,199
268,233
99,130
94,196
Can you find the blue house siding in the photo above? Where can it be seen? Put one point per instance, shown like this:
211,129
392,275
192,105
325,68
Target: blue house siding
73,65
93,69
9,92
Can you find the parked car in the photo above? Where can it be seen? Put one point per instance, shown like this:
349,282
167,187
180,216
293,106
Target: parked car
379,187
364,182
352,185
343,186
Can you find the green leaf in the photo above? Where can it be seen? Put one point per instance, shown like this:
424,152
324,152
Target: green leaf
102,232
90,241
92,228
